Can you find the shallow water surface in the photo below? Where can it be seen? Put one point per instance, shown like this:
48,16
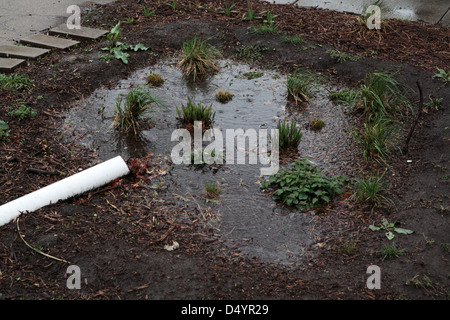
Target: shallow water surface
246,219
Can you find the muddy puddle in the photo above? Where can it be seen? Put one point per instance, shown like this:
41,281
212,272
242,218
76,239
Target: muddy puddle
244,218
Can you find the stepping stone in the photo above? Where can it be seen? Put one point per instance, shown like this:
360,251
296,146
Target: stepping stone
7,65
44,41
82,34
21,52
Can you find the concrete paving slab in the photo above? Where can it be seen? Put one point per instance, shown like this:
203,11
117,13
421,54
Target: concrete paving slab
21,52
22,18
50,42
7,65
84,33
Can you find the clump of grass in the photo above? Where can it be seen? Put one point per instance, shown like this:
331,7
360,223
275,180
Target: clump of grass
192,112
155,80
345,96
252,75
381,96
349,247
369,190
340,56
251,13
21,111
377,140
4,130
442,75
128,112
265,29
250,53
198,59
317,124
212,189
299,86
391,251
15,82
289,135
294,40
224,96
418,283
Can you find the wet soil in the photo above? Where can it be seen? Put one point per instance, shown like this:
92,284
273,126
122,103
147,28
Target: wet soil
116,234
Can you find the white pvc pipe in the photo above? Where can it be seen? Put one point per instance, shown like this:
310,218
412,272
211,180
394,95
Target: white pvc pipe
78,183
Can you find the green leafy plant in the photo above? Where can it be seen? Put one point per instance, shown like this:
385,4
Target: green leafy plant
192,112
15,82
340,56
198,58
128,112
224,96
21,111
4,130
390,228
289,135
442,75
118,49
303,186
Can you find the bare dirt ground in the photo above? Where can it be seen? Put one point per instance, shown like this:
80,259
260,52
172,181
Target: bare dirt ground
116,234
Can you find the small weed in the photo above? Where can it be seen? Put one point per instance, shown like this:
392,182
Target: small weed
173,5
252,75
129,112
228,9
15,82
423,283
251,14
212,189
349,247
4,130
390,228
22,111
289,135
317,124
303,186
265,29
250,53
155,80
294,40
198,58
117,49
224,96
391,251
442,75
434,103
148,11
192,112
340,56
